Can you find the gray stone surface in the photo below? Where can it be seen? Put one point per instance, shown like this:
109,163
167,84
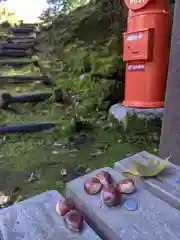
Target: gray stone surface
154,218
164,185
120,112
36,219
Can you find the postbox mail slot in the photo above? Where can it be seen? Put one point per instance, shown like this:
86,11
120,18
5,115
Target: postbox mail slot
137,45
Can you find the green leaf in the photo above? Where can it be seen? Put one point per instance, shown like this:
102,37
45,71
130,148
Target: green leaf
152,164
131,171
143,170
162,165
152,169
34,58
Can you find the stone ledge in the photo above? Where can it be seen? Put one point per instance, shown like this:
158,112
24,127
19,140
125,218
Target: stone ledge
36,218
155,219
165,186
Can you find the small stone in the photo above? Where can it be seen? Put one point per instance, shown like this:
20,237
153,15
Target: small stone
81,77
63,172
131,205
58,144
32,177
88,170
55,152
178,180
3,198
3,142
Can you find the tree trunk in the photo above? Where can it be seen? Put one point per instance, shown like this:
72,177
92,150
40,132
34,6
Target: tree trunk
170,135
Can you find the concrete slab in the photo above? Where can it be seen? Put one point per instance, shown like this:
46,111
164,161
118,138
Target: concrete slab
120,112
165,186
154,218
36,219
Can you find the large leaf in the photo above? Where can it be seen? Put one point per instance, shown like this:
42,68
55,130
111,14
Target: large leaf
143,170
131,171
153,163
162,165
152,169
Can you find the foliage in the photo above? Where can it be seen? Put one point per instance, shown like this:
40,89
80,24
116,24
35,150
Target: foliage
34,58
89,64
6,35
66,6
7,16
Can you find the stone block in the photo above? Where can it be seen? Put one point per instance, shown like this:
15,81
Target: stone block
121,113
154,219
36,218
165,186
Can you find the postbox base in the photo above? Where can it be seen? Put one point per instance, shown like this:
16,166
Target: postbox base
142,104
120,113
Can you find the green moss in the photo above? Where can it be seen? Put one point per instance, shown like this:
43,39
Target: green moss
38,153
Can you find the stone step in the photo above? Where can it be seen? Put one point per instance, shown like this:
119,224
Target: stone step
25,36
23,30
165,186
15,64
154,218
21,78
21,40
28,25
26,128
22,46
31,98
14,53
36,218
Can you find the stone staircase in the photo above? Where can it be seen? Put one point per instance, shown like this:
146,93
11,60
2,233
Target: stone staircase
156,215
16,51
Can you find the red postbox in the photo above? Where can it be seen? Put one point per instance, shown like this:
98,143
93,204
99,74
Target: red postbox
146,53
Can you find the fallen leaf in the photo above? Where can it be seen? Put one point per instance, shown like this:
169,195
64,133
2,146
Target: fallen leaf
152,169
132,171
162,165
